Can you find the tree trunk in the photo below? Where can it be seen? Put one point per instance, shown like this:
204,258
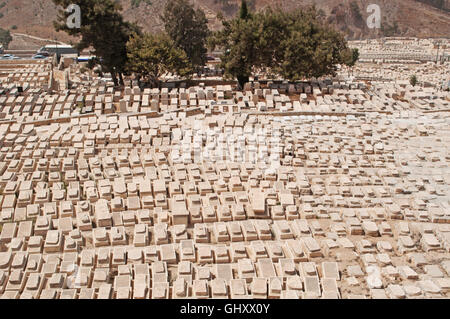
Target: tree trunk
114,78
154,82
138,78
242,79
121,79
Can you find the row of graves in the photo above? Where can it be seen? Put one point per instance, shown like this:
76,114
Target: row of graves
226,206
324,189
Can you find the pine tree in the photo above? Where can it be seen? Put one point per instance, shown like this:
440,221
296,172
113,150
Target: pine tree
243,11
102,28
150,56
294,45
188,28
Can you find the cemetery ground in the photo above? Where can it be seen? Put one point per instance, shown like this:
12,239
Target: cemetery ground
332,188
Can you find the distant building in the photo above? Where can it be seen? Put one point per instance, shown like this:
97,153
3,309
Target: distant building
58,49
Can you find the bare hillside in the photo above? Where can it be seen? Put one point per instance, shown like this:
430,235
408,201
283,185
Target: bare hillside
421,18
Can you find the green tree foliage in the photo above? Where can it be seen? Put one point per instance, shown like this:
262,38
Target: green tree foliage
295,45
188,28
238,39
389,30
102,28
440,4
152,55
355,57
243,11
136,3
350,57
5,38
413,80
356,12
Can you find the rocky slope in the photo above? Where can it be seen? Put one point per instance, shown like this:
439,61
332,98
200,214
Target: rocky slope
421,18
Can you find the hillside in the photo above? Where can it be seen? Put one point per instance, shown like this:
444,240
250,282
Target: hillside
420,18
